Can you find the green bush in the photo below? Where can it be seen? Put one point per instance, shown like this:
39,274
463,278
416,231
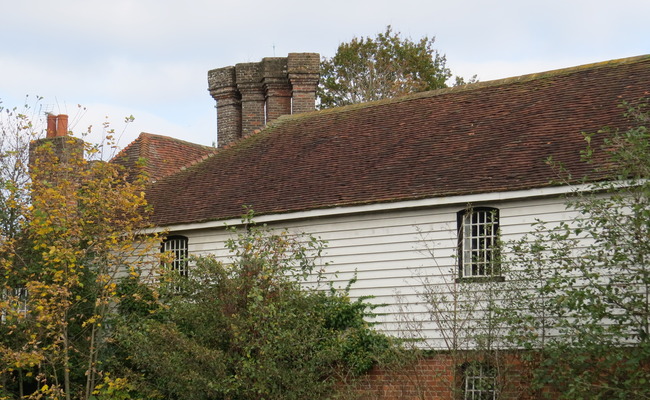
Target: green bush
253,328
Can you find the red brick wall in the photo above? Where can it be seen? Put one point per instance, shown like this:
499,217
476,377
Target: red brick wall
439,377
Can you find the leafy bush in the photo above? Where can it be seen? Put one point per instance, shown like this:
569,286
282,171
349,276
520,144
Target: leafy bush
259,326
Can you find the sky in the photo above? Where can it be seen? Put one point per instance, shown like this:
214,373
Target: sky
101,61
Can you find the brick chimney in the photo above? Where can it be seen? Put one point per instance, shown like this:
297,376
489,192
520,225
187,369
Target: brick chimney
64,147
56,162
277,89
303,74
249,85
250,95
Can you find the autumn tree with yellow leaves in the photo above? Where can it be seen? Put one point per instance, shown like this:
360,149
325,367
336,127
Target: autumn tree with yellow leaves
70,229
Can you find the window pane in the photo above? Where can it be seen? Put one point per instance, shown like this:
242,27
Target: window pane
479,382
479,234
178,246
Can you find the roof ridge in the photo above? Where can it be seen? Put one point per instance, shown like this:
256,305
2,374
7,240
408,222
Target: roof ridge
287,118
171,138
194,161
556,72
455,89
144,138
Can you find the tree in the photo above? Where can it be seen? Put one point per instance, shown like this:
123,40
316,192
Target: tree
578,293
71,229
17,131
367,69
257,326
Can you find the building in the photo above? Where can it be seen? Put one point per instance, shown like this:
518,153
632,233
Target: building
408,192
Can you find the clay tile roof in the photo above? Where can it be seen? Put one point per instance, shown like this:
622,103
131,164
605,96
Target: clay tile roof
487,137
160,155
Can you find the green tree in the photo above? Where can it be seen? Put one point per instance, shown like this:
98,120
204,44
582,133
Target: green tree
255,327
367,69
578,292
71,230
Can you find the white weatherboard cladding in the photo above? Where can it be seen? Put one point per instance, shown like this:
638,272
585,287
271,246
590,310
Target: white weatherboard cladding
392,253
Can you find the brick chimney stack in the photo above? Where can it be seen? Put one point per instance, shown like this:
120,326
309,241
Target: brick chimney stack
65,147
277,88
250,95
249,84
222,84
303,74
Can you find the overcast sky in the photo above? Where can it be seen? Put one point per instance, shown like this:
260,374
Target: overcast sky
149,58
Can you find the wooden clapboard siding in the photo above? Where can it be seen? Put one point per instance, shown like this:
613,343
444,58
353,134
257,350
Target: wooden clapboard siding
394,254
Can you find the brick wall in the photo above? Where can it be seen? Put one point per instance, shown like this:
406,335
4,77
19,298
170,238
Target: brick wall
440,377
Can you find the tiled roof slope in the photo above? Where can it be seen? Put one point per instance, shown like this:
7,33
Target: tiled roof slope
162,155
487,137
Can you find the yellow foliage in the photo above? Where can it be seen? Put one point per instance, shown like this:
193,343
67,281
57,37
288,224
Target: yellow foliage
77,228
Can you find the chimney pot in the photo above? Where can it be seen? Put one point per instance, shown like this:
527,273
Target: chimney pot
51,126
62,125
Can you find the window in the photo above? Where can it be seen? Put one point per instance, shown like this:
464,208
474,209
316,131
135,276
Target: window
17,302
479,382
177,246
478,231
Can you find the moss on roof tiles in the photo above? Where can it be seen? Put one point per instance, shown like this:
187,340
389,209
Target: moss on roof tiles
483,137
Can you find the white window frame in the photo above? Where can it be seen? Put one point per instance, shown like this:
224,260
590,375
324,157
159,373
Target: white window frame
179,246
478,238
479,381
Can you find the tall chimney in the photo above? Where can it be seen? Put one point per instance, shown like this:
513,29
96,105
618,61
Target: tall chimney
250,95
249,84
222,84
56,161
65,147
277,87
303,71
